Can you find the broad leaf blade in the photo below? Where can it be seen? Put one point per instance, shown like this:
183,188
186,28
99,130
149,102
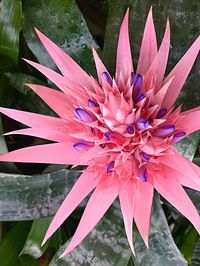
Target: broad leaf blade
196,255
7,167
13,242
62,22
162,249
10,26
24,197
33,242
106,245
31,100
188,146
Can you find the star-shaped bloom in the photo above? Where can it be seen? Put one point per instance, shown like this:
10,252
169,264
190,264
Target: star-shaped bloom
122,128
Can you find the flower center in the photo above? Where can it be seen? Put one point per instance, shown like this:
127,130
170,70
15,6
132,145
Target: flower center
128,125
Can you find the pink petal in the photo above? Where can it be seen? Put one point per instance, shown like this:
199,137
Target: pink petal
158,67
83,186
142,208
65,63
126,196
190,110
99,65
57,134
190,177
184,180
33,119
95,151
98,204
170,188
124,63
190,172
56,153
180,73
159,96
67,86
148,49
57,101
189,121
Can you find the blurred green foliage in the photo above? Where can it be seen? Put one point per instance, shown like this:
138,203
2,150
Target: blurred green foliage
34,192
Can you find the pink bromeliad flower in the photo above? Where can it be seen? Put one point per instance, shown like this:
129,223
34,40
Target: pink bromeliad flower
123,129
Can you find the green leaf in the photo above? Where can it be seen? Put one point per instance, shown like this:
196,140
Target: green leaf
33,242
195,197
162,249
196,255
25,197
10,26
189,242
26,260
188,146
62,22
7,167
108,245
31,100
13,242
105,245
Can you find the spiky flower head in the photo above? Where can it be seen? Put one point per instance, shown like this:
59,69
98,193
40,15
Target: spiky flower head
122,128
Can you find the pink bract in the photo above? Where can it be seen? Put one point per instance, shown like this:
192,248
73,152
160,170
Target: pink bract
122,128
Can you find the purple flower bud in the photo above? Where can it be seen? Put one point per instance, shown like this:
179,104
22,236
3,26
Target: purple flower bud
130,129
142,174
139,97
84,115
161,113
92,103
164,131
81,146
107,77
106,135
142,123
137,84
110,167
178,136
145,157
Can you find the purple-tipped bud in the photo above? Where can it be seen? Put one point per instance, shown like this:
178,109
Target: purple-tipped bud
110,167
161,113
84,115
107,77
178,136
81,146
137,84
139,97
107,135
142,174
145,157
130,129
142,123
164,131
92,103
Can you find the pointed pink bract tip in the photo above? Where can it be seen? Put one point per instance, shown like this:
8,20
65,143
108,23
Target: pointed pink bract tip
43,242
146,241
37,31
29,85
126,17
